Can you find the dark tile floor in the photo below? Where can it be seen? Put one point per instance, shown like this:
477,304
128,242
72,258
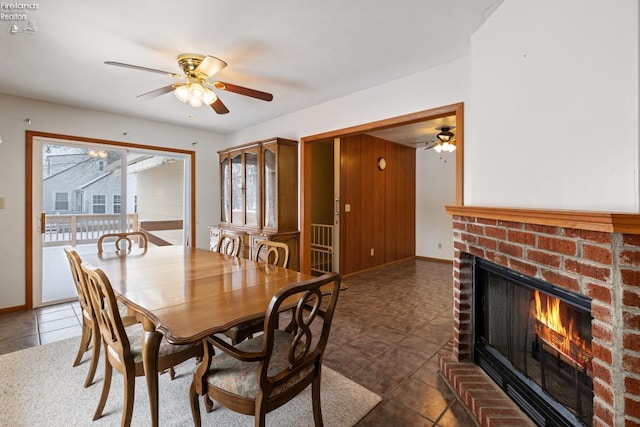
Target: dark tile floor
389,326
24,329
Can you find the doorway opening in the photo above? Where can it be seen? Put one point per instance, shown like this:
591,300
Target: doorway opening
325,210
307,188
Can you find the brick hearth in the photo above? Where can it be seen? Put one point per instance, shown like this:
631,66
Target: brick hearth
595,254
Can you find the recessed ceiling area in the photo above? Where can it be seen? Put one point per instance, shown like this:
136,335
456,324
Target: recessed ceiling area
416,134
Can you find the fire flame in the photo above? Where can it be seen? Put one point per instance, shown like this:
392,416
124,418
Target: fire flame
550,315
558,332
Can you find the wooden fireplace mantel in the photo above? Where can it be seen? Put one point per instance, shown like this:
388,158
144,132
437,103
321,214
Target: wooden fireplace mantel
612,222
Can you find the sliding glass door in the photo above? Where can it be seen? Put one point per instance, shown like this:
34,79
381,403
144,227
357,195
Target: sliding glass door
85,190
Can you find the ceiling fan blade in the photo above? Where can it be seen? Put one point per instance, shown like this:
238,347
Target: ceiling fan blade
136,67
210,65
157,92
219,107
244,91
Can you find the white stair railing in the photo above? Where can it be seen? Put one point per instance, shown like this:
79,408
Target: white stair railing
321,248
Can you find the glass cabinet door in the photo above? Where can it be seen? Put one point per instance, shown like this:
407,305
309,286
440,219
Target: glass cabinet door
225,190
251,186
237,214
270,192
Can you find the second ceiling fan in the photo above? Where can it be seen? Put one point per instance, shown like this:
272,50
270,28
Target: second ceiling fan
445,141
196,89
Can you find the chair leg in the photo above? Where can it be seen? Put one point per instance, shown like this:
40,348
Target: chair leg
108,370
260,414
129,394
84,343
208,404
95,356
315,398
195,405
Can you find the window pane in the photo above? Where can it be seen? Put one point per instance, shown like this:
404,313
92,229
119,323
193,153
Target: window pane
269,188
251,188
236,190
99,203
62,202
225,205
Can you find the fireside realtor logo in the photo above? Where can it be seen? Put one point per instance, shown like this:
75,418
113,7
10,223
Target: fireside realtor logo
18,15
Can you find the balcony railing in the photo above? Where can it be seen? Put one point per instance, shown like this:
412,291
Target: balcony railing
59,230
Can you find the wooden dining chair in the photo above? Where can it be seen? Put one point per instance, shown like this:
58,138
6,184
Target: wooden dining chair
263,373
90,333
119,352
128,238
274,253
229,244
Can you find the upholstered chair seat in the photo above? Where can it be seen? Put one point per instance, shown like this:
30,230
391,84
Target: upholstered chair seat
237,377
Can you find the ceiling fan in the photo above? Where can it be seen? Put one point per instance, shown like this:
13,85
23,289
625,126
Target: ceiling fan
196,87
445,141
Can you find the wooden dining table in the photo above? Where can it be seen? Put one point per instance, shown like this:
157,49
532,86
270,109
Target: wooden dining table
184,294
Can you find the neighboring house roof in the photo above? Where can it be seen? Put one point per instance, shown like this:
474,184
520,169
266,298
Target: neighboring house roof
65,171
93,181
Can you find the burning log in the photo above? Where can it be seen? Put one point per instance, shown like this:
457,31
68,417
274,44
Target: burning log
555,328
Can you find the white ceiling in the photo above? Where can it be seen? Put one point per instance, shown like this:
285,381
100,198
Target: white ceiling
304,52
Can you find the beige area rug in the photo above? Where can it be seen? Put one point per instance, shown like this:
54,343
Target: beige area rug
39,387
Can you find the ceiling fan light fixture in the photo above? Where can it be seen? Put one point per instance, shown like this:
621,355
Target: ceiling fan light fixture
195,94
445,134
196,90
182,93
195,102
445,141
209,97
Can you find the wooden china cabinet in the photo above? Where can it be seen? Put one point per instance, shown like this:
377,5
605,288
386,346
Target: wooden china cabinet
259,195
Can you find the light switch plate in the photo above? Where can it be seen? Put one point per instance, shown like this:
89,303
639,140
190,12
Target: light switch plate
347,207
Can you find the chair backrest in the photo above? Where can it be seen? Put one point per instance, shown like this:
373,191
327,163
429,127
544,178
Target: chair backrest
127,238
79,280
229,244
107,315
309,329
275,253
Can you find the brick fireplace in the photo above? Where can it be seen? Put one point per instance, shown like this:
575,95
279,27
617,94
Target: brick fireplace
594,254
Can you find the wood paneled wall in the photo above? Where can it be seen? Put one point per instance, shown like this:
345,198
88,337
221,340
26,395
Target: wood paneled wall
382,203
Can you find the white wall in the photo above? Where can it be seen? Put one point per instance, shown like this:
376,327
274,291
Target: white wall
435,188
553,117
160,198
53,118
436,87
431,88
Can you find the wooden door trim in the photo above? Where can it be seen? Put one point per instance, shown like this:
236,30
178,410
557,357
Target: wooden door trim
29,136
305,163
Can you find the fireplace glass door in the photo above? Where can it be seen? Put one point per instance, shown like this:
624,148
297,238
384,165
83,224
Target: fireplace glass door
534,340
